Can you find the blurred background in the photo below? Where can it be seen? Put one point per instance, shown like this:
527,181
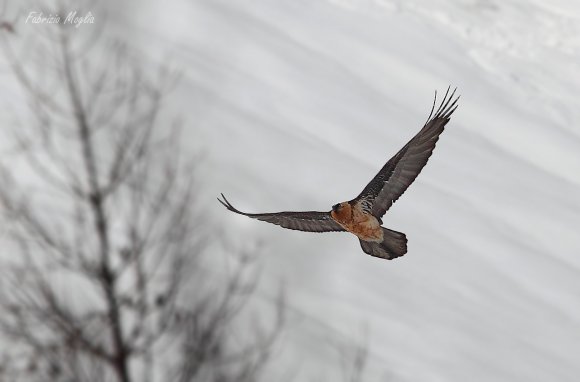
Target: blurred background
122,123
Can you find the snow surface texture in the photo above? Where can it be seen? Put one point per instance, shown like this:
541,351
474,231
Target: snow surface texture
299,103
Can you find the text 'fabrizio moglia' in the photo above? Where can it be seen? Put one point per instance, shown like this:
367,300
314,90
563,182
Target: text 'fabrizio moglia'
72,18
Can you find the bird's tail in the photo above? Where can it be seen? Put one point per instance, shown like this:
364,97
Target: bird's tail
394,245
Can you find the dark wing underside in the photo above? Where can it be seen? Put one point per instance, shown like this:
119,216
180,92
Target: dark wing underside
308,221
402,169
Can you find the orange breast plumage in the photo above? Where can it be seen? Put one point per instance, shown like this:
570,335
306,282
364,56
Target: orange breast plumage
353,219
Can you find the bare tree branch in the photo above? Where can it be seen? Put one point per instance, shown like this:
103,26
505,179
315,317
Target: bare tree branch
105,278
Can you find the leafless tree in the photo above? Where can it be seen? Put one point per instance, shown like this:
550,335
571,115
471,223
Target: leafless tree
103,273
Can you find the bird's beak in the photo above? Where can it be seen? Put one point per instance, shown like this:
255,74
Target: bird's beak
335,207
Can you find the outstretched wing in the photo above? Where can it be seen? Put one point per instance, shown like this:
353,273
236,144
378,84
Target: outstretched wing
402,169
308,221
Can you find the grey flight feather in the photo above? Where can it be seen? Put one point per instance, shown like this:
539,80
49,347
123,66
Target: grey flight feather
402,169
308,221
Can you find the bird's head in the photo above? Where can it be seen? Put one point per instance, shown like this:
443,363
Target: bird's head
340,211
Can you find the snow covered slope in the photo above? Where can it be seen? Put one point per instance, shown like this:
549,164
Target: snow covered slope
299,103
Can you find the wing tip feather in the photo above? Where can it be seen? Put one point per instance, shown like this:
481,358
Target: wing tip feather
225,202
448,105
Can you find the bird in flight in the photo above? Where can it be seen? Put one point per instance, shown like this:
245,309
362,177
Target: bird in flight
362,215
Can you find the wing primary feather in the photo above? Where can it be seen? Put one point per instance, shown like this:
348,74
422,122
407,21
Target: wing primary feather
442,102
446,107
229,206
432,107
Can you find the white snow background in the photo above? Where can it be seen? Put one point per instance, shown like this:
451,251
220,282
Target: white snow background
297,104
